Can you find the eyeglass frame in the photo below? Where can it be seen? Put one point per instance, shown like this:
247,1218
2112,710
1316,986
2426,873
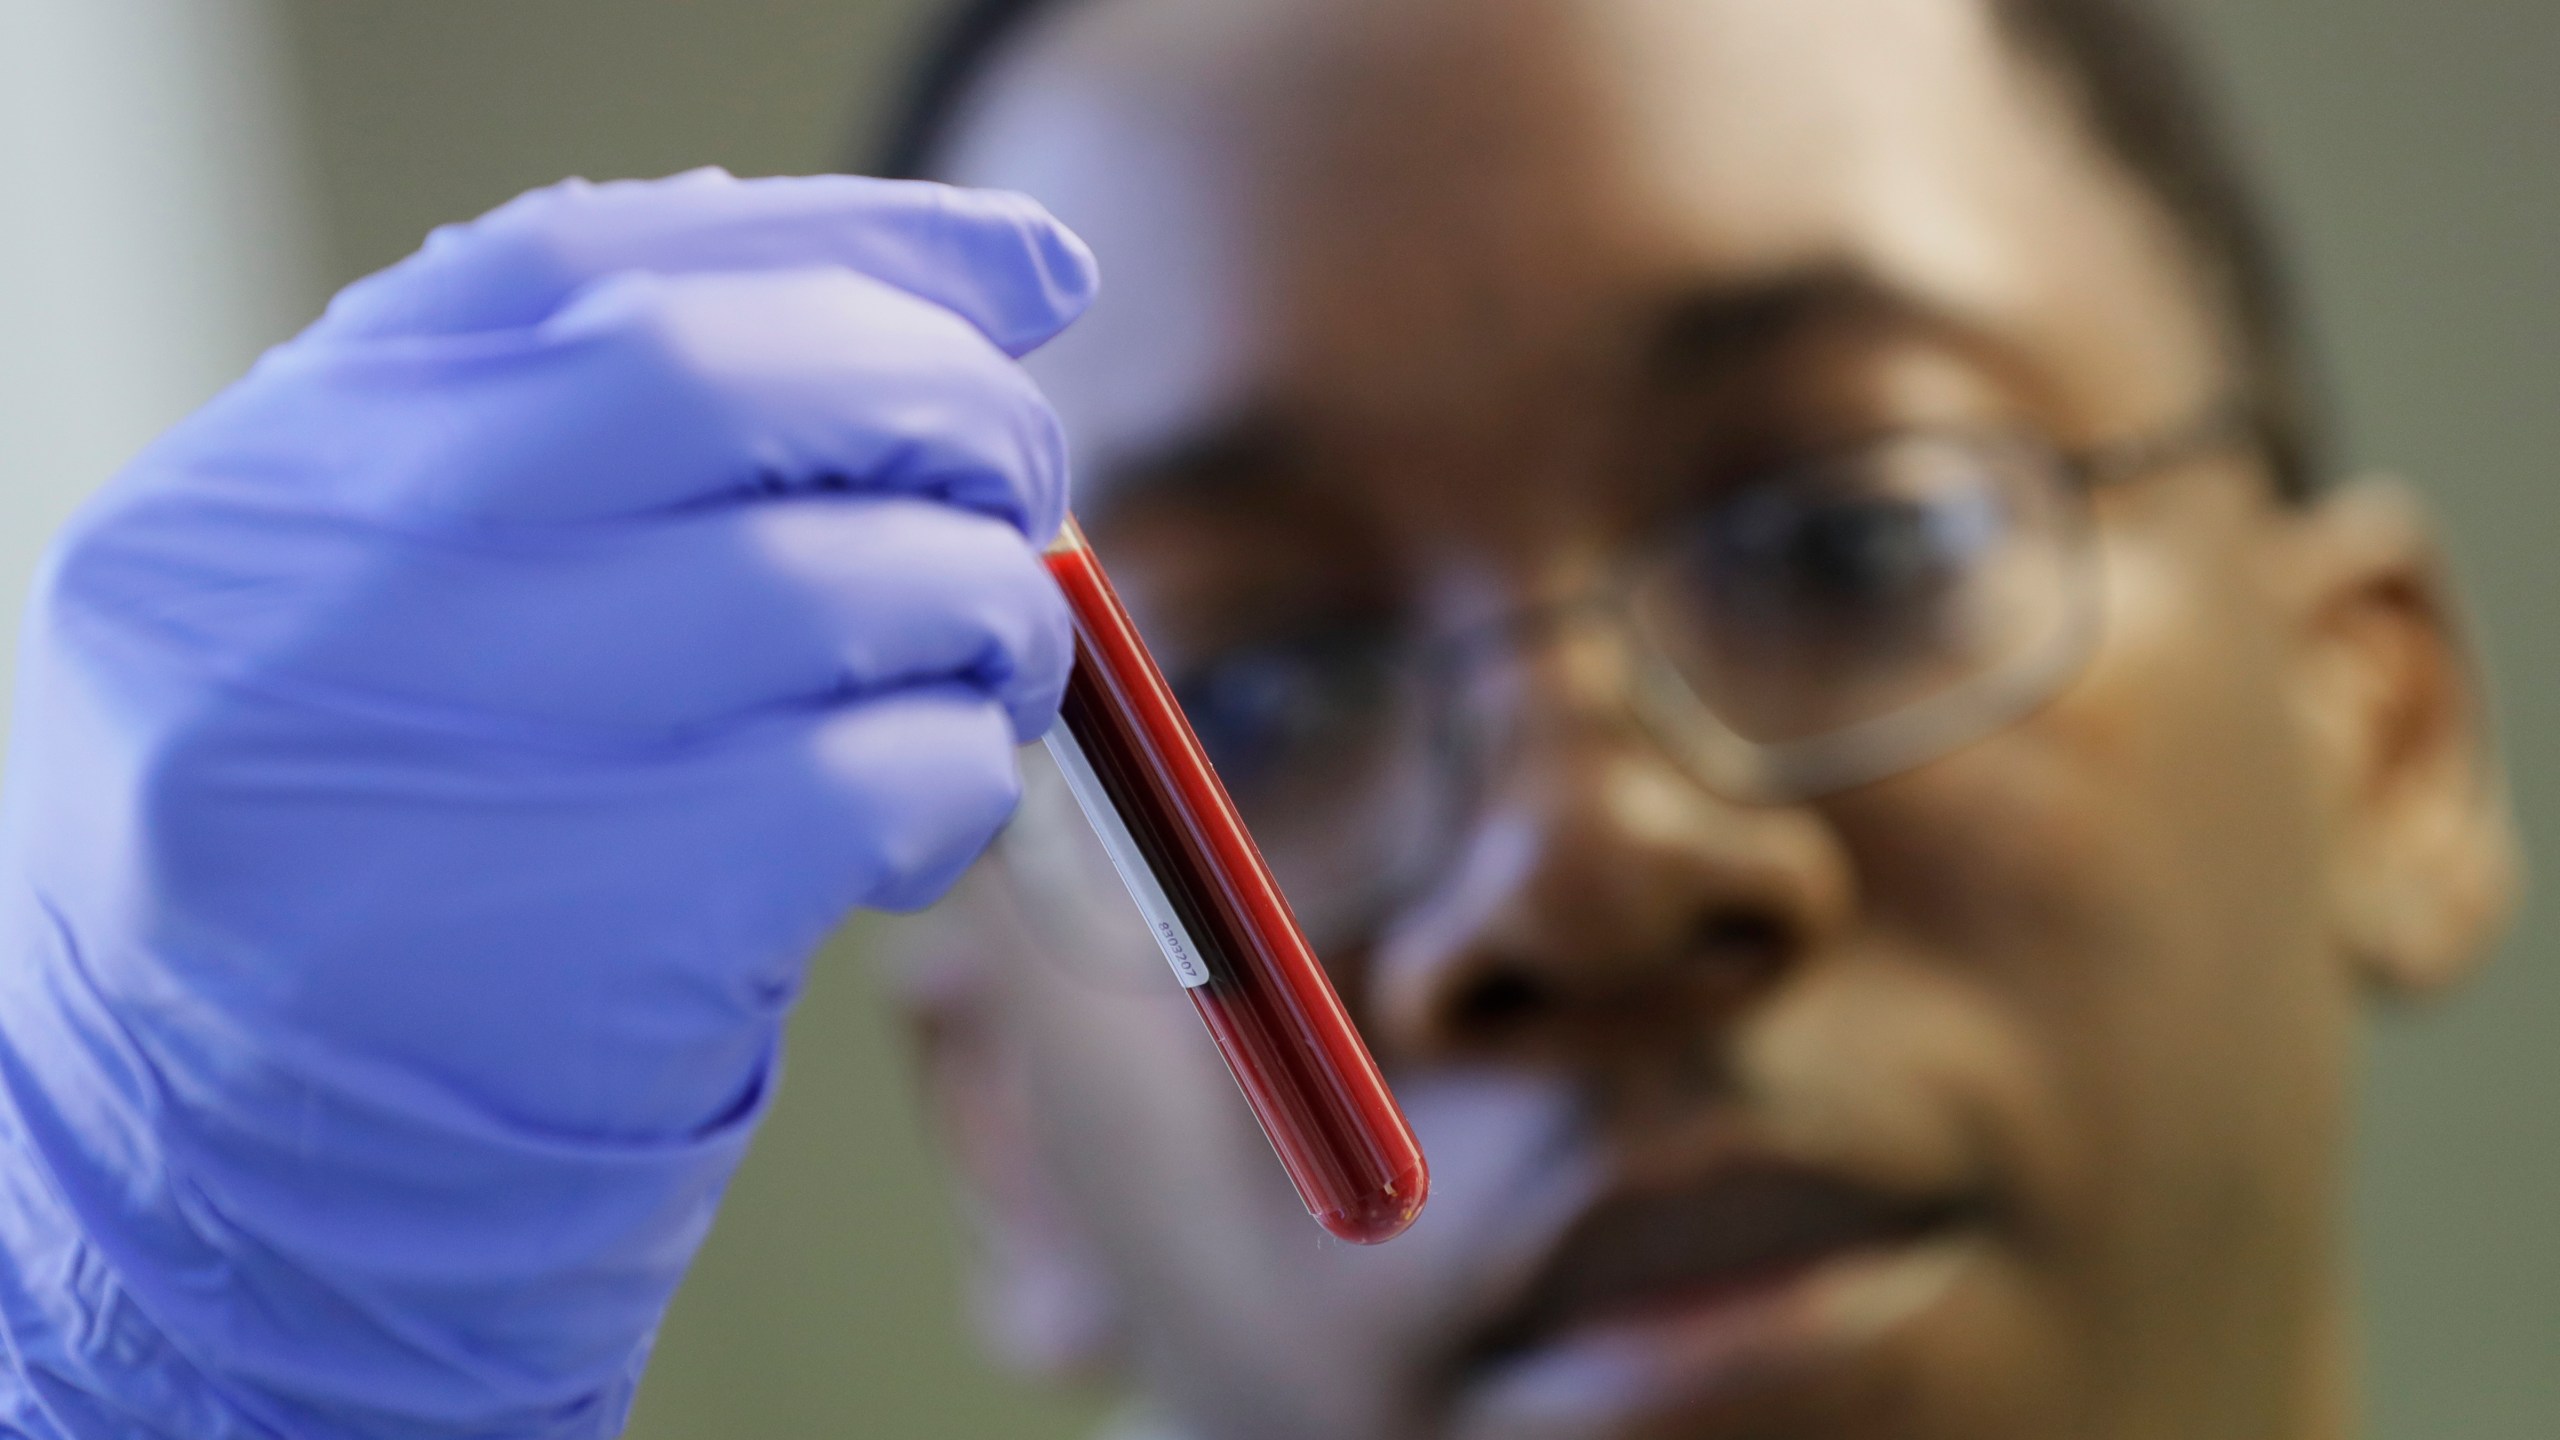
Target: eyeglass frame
1765,773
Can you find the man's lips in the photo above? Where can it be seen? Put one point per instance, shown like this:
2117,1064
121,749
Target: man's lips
1719,1253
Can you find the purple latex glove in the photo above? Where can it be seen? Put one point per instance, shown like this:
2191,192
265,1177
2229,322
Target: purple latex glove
436,760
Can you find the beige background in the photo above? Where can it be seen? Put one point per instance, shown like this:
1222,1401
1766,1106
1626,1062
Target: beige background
2416,147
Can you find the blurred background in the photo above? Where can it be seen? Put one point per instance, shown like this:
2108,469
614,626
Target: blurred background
182,182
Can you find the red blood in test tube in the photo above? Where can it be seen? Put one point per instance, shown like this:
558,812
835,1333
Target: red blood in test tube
1201,883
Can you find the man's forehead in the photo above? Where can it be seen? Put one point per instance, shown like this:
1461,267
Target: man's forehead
1474,177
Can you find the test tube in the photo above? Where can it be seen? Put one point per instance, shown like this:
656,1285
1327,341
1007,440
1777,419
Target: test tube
1199,881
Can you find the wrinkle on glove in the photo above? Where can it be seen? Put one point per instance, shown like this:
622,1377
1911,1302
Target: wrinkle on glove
436,760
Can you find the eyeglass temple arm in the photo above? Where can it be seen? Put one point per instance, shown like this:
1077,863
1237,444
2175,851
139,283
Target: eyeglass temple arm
2229,422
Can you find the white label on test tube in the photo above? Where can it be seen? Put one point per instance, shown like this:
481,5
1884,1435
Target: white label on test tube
1179,950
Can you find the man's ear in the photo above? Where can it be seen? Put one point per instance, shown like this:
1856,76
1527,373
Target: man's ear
2424,868
1044,1300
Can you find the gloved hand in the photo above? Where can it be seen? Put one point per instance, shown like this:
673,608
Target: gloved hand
436,760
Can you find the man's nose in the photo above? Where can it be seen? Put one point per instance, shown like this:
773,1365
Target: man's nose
1602,896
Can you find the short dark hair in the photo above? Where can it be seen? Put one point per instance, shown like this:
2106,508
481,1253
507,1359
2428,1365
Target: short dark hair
2141,90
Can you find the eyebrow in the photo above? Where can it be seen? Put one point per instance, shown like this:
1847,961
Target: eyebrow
1718,327
1688,335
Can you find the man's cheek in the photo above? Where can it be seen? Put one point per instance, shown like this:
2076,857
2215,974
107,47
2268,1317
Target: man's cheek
2204,840
2134,882
2230,1054
1131,1095
1901,1068
2052,872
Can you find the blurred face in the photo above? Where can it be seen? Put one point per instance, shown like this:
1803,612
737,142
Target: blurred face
1998,1096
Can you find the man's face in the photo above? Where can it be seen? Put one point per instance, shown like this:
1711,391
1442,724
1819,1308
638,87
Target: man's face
1996,1098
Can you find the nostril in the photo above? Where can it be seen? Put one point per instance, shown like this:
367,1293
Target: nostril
1741,951
1500,1001
1743,932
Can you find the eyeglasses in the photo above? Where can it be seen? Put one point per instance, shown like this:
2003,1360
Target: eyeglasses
1807,630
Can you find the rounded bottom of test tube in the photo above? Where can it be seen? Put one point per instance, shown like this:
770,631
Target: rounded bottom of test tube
1382,1214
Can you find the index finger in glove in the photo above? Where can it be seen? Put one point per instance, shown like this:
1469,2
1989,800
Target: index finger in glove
646,394
996,258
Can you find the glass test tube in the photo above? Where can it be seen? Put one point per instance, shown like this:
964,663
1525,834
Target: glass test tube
1200,882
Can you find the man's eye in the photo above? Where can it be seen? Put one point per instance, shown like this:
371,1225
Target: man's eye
1860,552
1269,710
1842,550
